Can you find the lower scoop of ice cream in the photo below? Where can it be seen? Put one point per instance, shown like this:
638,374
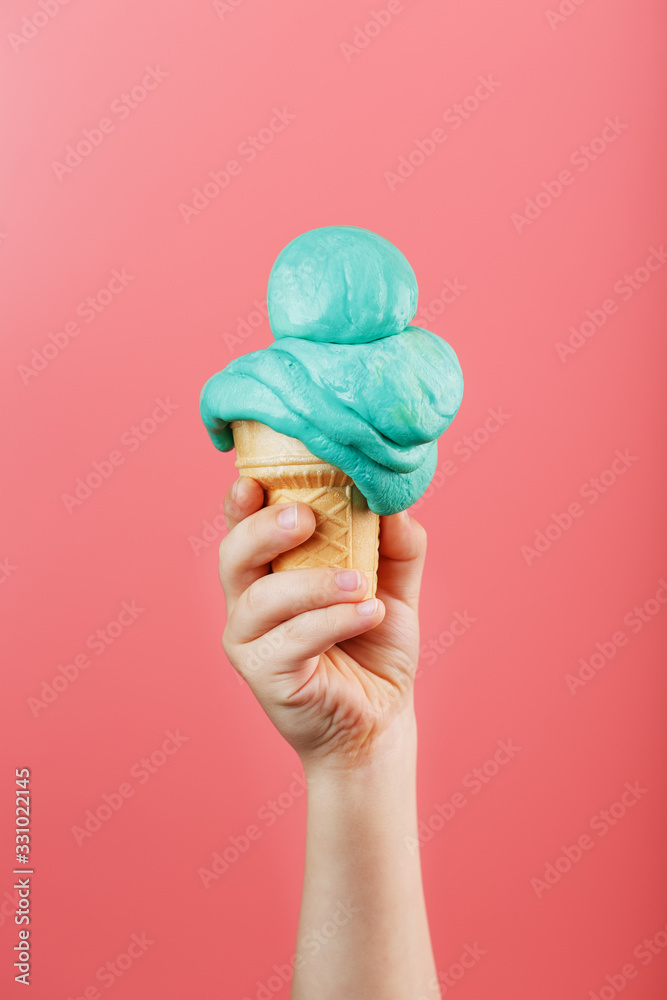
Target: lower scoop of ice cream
374,410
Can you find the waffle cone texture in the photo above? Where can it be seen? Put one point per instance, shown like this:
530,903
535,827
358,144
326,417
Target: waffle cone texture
347,531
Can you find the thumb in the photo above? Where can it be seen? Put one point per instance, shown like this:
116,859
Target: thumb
401,559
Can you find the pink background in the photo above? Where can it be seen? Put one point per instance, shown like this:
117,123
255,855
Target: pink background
148,533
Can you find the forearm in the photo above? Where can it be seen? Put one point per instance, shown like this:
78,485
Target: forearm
363,931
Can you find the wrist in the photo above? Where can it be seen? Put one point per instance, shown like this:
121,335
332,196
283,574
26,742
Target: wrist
367,810
391,753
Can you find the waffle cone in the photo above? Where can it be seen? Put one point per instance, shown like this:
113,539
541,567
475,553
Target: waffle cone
346,532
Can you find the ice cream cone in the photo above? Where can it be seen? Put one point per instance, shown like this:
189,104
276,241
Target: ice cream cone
347,531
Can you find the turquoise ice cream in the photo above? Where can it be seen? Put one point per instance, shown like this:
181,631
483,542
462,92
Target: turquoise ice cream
346,375
340,285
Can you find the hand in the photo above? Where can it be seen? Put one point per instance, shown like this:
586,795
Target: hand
333,672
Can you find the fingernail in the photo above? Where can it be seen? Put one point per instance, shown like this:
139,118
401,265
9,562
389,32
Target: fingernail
368,607
287,516
348,579
234,489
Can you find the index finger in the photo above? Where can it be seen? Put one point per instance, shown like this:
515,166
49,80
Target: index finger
247,551
244,497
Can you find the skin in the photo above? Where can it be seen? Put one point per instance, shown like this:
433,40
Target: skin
338,686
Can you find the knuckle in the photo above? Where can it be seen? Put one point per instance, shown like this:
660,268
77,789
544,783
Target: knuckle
293,629
319,587
222,549
250,527
234,652
290,631
298,631
331,618
253,597
226,561
257,533
329,586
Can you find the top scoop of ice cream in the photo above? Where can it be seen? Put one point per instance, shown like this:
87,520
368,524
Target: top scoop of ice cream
372,404
340,285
